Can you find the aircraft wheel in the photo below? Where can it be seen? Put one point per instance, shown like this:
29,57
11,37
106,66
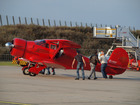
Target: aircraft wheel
138,69
32,74
110,77
26,71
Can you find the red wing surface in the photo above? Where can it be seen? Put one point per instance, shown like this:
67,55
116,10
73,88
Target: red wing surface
52,64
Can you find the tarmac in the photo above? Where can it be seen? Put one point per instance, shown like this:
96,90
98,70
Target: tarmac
63,89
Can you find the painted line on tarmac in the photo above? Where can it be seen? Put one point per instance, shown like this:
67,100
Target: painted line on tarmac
14,103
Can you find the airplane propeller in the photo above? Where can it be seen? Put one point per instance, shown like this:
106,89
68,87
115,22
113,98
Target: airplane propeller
9,45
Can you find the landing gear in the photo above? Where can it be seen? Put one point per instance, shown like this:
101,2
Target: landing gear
32,74
138,68
110,77
26,71
32,69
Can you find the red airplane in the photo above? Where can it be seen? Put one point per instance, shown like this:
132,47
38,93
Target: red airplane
59,53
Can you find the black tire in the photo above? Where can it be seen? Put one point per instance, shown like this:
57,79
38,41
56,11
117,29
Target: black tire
26,71
110,77
32,74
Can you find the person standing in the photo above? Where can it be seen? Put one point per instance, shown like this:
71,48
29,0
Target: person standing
53,70
93,62
50,72
103,61
81,62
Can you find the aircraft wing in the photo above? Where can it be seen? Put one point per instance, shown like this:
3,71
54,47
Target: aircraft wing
47,63
52,64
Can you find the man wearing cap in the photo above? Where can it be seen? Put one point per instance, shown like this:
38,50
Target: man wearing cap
81,62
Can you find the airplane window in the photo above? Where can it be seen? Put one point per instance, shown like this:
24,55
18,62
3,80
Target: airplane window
41,42
47,45
53,47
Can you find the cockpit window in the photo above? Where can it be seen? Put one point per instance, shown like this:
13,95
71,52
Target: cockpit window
47,45
41,43
53,47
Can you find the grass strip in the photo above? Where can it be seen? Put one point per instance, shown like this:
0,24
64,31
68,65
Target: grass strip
6,63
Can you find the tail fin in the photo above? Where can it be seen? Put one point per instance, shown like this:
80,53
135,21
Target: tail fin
118,59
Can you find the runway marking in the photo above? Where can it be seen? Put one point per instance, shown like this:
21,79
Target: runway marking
13,103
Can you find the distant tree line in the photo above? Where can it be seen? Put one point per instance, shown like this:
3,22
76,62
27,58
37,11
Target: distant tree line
80,35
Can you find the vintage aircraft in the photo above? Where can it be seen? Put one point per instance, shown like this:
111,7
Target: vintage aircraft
59,53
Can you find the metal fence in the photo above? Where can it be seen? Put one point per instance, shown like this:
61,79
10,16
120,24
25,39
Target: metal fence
6,57
13,20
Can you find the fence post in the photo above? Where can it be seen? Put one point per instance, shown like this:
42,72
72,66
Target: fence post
43,22
70,23
65,23
91,24
101,25
86,24
49,22
1,20
7,20
96,25
116,30
60,22
76,24
133,28
25,21
130,28
19,20
81,24
13,20
54,23
37,22
31,21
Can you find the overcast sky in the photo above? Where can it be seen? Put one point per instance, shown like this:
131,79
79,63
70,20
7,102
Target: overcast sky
110,12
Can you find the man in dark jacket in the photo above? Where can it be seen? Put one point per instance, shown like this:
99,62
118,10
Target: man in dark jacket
81,62
93,62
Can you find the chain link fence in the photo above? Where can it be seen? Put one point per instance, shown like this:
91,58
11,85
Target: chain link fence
6,57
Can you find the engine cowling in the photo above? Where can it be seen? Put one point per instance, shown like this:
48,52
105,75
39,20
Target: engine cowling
19,47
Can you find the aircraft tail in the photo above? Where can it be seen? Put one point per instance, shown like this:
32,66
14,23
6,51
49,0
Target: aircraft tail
118,60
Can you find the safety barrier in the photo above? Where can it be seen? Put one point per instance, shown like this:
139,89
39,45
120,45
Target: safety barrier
6,57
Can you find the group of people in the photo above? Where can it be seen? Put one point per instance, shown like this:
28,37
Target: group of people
94,59
93,62
48,71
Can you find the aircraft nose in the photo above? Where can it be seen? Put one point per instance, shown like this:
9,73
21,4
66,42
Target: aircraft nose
9,45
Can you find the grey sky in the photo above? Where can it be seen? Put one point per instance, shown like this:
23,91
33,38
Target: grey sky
110,12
